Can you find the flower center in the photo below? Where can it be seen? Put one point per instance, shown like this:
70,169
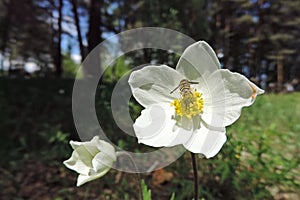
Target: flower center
189,105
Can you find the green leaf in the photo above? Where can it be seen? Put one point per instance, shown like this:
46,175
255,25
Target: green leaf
146,193
173,196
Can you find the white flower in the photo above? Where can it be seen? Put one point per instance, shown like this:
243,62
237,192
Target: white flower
92,159
205,99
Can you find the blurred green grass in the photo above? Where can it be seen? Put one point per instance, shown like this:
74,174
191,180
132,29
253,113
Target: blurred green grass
260,160
267,144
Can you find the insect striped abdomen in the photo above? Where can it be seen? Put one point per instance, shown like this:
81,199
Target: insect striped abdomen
185,87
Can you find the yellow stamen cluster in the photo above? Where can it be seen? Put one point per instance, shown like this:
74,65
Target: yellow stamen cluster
189,105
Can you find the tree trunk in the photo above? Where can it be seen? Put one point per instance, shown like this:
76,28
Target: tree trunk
279,74
6,25
59,69
93,67
76,18
6,29
94,34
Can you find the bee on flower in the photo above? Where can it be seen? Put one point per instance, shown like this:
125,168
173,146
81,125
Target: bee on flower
191,101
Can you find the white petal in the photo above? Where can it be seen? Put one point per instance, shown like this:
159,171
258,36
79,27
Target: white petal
155,127
205,141
107,149
213,94
153,84
76,144
197,60
101,162
75,163
82,179
239,92
95,145
226,98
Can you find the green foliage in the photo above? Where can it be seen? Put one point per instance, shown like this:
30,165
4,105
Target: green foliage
57,144
259,156
145,191
185,186
70,66
117,70
173,196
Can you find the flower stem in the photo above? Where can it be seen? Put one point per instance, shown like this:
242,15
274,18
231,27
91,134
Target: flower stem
194,163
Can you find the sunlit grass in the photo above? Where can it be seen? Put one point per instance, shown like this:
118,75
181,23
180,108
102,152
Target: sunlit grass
268,134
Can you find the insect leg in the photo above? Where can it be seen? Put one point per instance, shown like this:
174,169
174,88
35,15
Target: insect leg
174,89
